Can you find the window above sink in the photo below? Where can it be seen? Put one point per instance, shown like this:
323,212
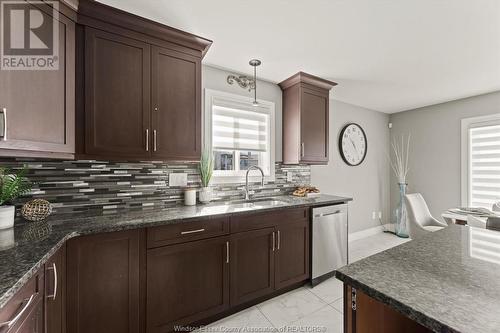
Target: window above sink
240,134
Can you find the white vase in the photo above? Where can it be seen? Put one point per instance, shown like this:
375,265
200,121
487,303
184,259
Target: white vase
7,216
205,194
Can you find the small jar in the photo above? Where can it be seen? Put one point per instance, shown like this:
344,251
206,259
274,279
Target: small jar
190,197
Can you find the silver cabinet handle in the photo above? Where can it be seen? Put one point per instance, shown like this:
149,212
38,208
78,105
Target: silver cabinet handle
147,139
54,268
279,239
25,307
274,241
328,214
192,231
3,134
302,149
154,140
227,252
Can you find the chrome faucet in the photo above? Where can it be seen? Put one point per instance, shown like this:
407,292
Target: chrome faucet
247,196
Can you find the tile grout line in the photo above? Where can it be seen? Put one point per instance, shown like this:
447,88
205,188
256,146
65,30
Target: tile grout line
269,320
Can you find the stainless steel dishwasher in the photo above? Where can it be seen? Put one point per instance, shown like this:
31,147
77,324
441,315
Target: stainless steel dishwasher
329,241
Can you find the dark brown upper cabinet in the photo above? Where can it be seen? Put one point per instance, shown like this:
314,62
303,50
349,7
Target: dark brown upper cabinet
176,99
39,117
305,119
142,87
117,95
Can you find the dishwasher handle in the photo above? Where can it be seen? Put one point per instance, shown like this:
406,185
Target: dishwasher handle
328,214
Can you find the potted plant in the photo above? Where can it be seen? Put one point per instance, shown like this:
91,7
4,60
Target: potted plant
12,186
206,170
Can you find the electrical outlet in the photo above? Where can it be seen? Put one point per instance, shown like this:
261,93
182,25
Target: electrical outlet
374,215
380,215
289,176
177,179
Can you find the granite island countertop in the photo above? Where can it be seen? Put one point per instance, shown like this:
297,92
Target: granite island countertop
447,281
27,246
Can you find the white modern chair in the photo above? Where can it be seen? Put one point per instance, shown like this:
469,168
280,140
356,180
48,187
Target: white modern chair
420,220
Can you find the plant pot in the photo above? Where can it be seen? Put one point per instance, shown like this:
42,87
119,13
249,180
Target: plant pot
7,216
205,194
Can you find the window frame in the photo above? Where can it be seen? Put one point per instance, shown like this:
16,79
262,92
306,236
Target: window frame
466,125
238,176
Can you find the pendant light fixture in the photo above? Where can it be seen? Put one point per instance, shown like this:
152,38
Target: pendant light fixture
247,82
255,63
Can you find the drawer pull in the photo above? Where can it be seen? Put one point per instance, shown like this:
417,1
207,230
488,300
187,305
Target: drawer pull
227,252
3,134
274,241
279,239
25,307
192,231
53,268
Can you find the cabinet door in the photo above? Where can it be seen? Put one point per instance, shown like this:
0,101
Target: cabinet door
186,283
176,105
103,283
252,265
117,96
292,253
55,292
40,104
314,126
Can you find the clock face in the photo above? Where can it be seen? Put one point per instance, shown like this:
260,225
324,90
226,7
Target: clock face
353,144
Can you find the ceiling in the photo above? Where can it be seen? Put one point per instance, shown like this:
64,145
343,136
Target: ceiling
386,55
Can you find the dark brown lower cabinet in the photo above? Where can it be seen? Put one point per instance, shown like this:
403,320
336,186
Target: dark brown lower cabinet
186,283
372,316
104,282
252,265
292,253
55,292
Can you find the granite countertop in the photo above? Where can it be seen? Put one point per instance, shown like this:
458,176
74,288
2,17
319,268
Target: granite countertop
448,281
27,246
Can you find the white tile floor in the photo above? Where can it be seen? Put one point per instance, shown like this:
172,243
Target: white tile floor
319,308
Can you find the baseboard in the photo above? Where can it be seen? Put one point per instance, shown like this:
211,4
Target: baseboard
365,233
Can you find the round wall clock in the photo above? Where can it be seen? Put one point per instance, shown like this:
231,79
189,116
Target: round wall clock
353,144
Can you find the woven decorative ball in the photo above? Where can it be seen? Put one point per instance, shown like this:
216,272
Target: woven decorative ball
36,210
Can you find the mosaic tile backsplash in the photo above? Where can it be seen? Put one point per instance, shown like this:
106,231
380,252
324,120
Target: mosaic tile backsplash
74,186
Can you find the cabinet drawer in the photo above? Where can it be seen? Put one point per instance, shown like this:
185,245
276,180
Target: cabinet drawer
20,307
268,219
187,231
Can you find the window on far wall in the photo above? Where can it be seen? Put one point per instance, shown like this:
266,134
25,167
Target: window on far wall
481,161
240,134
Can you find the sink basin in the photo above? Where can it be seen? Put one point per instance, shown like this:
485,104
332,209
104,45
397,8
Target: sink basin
256,203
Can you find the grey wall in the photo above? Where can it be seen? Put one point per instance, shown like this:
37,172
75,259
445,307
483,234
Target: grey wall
216,79
367,183
435,148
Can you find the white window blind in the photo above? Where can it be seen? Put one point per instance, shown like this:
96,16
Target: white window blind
484,245
484,165
238,126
